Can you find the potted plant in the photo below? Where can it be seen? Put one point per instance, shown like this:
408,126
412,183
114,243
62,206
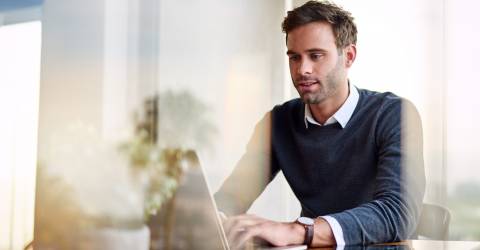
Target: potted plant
168,131
116,186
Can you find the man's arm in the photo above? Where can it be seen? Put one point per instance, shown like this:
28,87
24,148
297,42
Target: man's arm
245,227
399,183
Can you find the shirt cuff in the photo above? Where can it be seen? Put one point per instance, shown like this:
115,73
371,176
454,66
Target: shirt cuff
337,231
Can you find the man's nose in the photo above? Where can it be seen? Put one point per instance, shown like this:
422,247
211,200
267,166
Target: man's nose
305,67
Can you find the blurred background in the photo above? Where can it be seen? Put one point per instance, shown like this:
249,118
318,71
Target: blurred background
94,92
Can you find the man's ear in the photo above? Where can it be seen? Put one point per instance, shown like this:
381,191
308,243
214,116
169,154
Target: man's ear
350,53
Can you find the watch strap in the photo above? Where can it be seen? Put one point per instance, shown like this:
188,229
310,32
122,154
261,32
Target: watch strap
308,235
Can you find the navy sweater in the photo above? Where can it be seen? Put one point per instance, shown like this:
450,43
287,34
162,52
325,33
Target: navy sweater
369,175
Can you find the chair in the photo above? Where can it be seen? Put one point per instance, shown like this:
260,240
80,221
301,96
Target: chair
433,223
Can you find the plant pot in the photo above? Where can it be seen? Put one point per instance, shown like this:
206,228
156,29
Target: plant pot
114,239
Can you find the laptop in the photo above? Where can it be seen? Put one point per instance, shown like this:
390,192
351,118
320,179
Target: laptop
196,223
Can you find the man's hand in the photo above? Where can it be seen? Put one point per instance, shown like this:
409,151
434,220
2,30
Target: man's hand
246,227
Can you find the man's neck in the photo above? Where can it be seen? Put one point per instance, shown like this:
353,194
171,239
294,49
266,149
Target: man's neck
326,109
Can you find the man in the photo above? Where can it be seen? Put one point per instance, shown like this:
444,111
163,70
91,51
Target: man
353,157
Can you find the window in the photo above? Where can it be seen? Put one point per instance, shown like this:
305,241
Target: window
19,90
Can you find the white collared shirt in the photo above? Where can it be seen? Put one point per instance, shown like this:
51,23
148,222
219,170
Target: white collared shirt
342,116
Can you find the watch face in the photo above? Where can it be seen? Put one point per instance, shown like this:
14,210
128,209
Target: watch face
306,221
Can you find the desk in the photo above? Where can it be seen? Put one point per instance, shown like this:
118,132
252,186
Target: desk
445,245
416,245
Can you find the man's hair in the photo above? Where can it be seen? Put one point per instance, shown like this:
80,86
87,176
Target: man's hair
343,27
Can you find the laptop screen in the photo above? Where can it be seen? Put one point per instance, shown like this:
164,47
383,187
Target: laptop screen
190,220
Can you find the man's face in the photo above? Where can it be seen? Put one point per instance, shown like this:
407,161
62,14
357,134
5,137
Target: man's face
316,68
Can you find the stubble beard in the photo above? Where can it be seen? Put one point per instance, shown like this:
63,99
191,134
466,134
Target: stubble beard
326,89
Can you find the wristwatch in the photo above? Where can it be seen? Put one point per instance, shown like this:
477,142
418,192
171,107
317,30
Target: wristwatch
307,223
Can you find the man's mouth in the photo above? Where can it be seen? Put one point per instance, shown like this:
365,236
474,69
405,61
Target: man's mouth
306,85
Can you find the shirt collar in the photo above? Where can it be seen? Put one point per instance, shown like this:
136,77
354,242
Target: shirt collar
343,114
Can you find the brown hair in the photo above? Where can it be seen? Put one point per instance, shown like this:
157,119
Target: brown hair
344,28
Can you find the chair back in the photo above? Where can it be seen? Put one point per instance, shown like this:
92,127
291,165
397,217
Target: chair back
434,222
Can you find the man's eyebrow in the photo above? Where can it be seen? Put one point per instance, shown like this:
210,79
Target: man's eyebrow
290,52
317,50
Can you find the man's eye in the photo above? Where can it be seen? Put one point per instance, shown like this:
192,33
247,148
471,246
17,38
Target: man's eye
294,58
316,56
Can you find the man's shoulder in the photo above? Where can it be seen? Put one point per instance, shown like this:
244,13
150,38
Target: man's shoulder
379,101
375,96
287,113
293,105
386,107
